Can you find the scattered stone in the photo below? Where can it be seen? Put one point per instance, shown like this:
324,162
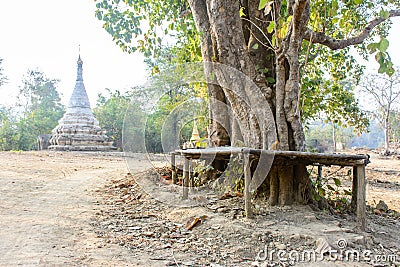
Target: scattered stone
382,206
322,246
281,246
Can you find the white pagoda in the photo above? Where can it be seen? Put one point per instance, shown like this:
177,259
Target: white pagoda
78,129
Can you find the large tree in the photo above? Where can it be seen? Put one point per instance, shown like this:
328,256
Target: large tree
272,43
40,108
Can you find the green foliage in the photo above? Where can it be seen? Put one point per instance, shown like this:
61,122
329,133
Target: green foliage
329,186
8,129
39,111
323,132
3,78
394,121
166,30
172,119
110,111
328,89
148,26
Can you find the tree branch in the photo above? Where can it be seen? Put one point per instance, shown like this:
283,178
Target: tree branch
334,44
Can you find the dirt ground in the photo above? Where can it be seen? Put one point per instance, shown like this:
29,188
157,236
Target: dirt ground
86,209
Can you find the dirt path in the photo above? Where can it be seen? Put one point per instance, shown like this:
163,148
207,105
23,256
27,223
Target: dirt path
82,209
46,204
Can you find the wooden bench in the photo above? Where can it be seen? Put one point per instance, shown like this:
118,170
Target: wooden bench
358,162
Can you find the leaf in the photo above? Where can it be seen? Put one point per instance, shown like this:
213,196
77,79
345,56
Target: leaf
321,191
383,45
357,2
347,192
270,80
273,40
271,27
255,46
384,14
241,12
337,181
262,4
192,222
330,187
372,47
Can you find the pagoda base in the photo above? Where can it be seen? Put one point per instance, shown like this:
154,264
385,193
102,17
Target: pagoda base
81,148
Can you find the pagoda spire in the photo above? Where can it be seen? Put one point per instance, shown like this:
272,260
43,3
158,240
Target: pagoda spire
80,69
79,98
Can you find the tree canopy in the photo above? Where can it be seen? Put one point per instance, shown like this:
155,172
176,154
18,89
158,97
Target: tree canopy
168,30
275,63
37,112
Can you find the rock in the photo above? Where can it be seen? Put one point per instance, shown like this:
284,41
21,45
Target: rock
223,209
148,234
377,212
281,246
295,237
322,246
382,206
359,240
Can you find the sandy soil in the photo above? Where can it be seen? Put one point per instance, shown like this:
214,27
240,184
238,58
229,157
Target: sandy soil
47,204
84,209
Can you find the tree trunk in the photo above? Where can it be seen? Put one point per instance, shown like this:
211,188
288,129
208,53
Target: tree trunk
386,130
266,114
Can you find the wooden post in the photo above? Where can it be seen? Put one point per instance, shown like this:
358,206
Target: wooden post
173,167
185,182
354,190
247,180
361,197
191,177
319,178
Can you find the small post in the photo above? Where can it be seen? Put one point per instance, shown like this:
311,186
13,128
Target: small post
173,167
247,180
185,182
354,190
319,173
191,177
361,197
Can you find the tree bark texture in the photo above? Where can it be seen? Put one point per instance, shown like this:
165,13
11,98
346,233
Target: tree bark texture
267,115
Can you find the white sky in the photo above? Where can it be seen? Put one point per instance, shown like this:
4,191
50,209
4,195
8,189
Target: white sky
45,34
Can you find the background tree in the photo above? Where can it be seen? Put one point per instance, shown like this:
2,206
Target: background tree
384,91
39,109
110,111
273,43
8,129
3,78
394,122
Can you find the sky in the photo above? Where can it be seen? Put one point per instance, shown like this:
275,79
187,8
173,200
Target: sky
45,35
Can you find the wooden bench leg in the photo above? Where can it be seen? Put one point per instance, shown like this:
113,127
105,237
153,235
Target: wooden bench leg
185,182
191,177
361,197
173,168
247,180
354,190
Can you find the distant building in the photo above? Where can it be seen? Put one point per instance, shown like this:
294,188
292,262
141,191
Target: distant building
78,129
